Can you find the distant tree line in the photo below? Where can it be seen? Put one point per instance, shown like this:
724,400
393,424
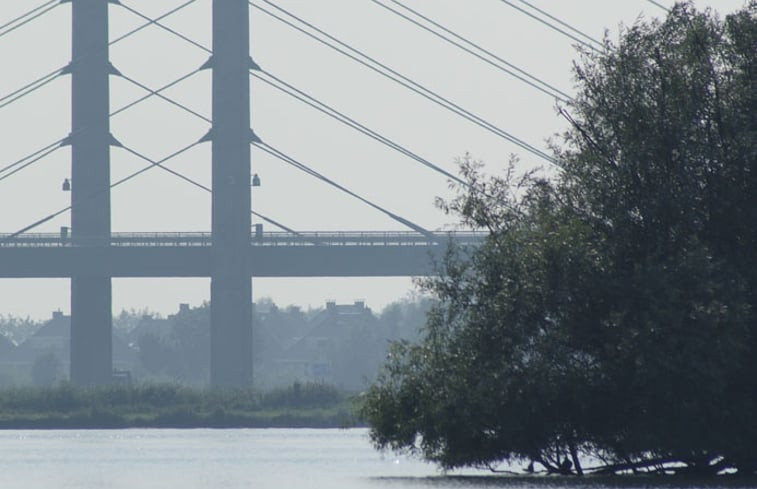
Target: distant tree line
17,329
341,345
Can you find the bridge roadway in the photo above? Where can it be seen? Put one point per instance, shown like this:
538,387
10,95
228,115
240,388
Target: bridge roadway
309,254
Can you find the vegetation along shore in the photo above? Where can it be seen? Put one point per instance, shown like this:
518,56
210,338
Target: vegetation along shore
308,405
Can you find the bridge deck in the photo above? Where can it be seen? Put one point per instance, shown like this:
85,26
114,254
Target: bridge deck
310,254
315,238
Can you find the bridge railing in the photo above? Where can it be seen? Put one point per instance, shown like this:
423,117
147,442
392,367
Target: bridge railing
201,239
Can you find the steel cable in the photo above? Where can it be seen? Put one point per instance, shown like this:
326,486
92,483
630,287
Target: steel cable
12,28
115,112
30,162
13,21
154,93
151,21
172,31
562,23
18,162
406,82
348,121
324,108
167,99
659,5
339,116
30,87
469,116
519,73
39,83
551,26
152,164
306,169
206,188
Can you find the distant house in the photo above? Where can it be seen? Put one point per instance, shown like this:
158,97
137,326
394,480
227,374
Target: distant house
150,325
54,337
334,349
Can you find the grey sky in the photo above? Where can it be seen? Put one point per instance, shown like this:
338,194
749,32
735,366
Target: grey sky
158,201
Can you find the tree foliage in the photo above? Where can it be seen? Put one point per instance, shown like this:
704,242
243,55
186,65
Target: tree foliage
611,312
17,329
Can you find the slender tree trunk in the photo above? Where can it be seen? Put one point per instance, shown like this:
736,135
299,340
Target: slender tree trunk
576,462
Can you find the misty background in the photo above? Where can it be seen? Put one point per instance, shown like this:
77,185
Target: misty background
159,202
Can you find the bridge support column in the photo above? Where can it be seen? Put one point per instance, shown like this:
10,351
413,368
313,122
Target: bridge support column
231,285
91,315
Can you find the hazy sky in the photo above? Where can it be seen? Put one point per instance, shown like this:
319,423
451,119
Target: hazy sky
158,201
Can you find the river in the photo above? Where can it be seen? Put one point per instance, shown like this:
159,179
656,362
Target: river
194,459
228,459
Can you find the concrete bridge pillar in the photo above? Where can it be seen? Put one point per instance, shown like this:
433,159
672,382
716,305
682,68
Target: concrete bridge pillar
91,316
231,285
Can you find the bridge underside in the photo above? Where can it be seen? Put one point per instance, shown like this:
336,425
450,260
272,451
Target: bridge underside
91,264
178,261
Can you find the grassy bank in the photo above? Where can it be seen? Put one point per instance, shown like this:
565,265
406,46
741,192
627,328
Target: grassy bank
174,406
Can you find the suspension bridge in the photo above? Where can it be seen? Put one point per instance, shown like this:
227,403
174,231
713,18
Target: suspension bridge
90,254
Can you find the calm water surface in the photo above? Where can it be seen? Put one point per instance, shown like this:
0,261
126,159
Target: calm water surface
190,459
228,459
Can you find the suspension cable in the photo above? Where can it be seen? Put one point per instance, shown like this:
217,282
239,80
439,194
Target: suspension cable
166,28
278,154
323,107
151,93
152,165
562,23
348,121
39,156
30,87
344,119
18,162
551,26
306,169
28,13
37,223
204,187
115,112
167,99
275,223
44,80
150,21
312,102
441,101
405,81
164,168
659,5
518,73
9,27
156,92
335,114
430,95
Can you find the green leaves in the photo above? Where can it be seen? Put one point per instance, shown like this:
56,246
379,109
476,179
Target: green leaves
611,311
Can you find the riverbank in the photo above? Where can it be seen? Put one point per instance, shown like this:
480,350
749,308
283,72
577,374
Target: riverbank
173,406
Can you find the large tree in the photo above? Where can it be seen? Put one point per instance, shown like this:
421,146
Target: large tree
612,311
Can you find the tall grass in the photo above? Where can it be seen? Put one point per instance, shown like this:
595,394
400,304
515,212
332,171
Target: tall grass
173,405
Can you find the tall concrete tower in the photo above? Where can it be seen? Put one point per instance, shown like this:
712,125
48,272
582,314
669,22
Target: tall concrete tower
231,285
91,316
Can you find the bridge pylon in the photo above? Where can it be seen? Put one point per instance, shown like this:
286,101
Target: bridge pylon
90,139
231,284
